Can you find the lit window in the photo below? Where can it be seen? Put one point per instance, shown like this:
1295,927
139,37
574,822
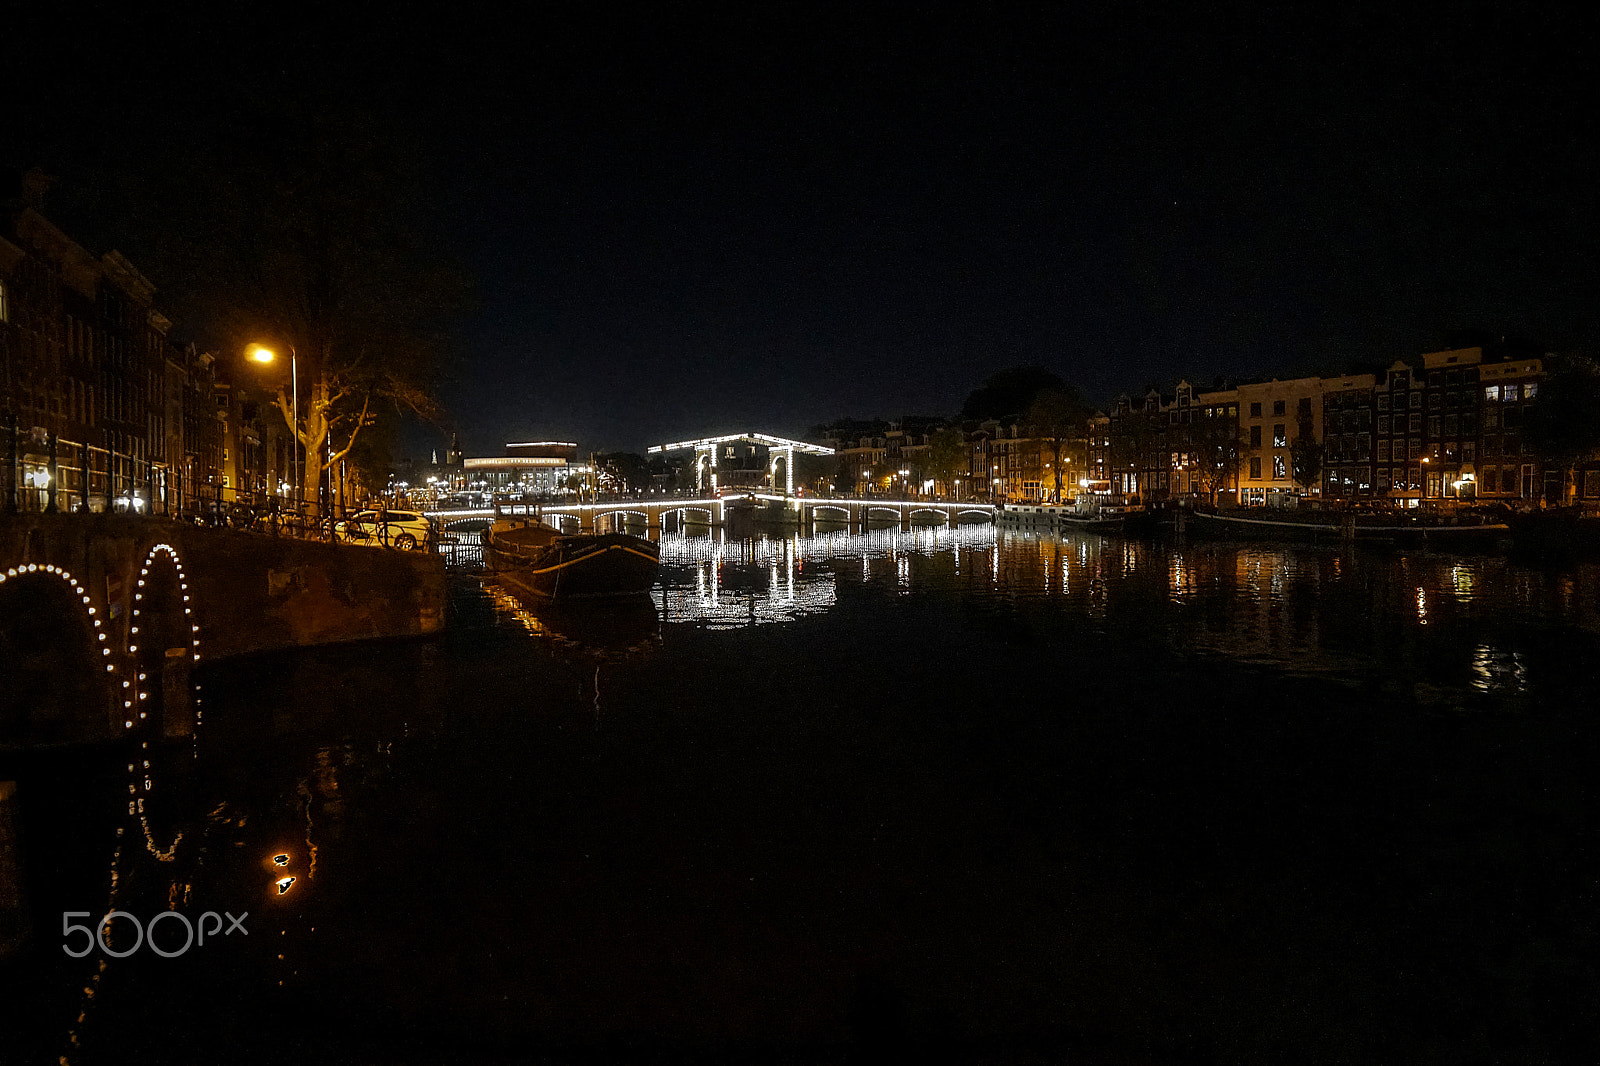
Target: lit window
1491,392
1280,438
1278,472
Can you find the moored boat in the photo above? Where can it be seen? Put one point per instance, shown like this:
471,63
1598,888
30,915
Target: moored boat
1091,523
1443,532
1088,515
530,557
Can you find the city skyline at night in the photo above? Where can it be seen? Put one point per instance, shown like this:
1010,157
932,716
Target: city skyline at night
678,223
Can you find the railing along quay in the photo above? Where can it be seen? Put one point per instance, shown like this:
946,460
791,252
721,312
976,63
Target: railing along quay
46,474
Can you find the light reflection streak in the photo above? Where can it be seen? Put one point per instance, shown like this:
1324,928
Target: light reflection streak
1495,670
1306,611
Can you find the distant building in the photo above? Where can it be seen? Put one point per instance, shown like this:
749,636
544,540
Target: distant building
1272,415
532,467
1348,471
1506,467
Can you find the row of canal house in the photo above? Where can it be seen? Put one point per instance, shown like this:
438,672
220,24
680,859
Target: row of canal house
86,361
1445,425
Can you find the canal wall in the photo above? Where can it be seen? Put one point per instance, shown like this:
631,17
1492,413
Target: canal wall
103,618
257,593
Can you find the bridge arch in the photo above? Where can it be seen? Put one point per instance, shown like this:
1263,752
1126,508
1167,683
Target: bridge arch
983,514
50,668
622,514
163,647
680,517
566,523
786,458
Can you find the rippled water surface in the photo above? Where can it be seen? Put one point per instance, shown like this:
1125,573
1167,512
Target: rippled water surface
948,795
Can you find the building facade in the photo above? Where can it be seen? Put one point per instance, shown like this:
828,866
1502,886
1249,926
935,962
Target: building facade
86,362
1272,416
533,468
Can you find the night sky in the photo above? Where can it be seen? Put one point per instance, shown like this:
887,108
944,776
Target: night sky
684,223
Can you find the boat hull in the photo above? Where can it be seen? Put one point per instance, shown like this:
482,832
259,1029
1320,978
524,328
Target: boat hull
1410,534
1060,520
610,566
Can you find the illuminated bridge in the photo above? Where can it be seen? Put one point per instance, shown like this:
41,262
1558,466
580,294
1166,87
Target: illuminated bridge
723,492
707,449
655,515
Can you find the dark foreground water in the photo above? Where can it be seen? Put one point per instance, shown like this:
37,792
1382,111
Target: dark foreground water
949,796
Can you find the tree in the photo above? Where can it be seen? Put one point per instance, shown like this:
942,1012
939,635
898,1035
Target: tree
1057,417
628,471
1562,425
947,458
1006,395
1215,444
811,471
1134,435
295,231
1305,460
885,468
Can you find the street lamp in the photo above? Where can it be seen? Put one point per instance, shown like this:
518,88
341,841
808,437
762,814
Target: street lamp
266,355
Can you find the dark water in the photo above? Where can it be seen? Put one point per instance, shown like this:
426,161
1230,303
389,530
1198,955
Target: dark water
949,796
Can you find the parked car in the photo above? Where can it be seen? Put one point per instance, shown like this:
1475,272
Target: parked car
406,530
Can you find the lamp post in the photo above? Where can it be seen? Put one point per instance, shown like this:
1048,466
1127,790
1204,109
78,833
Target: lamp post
266,355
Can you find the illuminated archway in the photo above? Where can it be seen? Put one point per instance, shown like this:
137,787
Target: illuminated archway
53,682
163,647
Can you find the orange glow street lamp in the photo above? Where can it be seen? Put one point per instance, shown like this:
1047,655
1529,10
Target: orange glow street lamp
266,355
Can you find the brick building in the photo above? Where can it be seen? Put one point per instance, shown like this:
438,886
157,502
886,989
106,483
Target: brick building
85,360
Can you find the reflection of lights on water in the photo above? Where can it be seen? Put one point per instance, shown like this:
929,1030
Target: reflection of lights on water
1180,579
280,860
1494,670
586,642
1422,606
703,595
284,883
1462,580
784,599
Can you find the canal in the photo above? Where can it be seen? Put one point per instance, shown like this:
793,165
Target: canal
948,795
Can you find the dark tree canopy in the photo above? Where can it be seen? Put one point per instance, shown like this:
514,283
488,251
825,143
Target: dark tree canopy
297,226
1216,448
948,457
1058,416
1008,394
630,471
1563,424
1305,459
